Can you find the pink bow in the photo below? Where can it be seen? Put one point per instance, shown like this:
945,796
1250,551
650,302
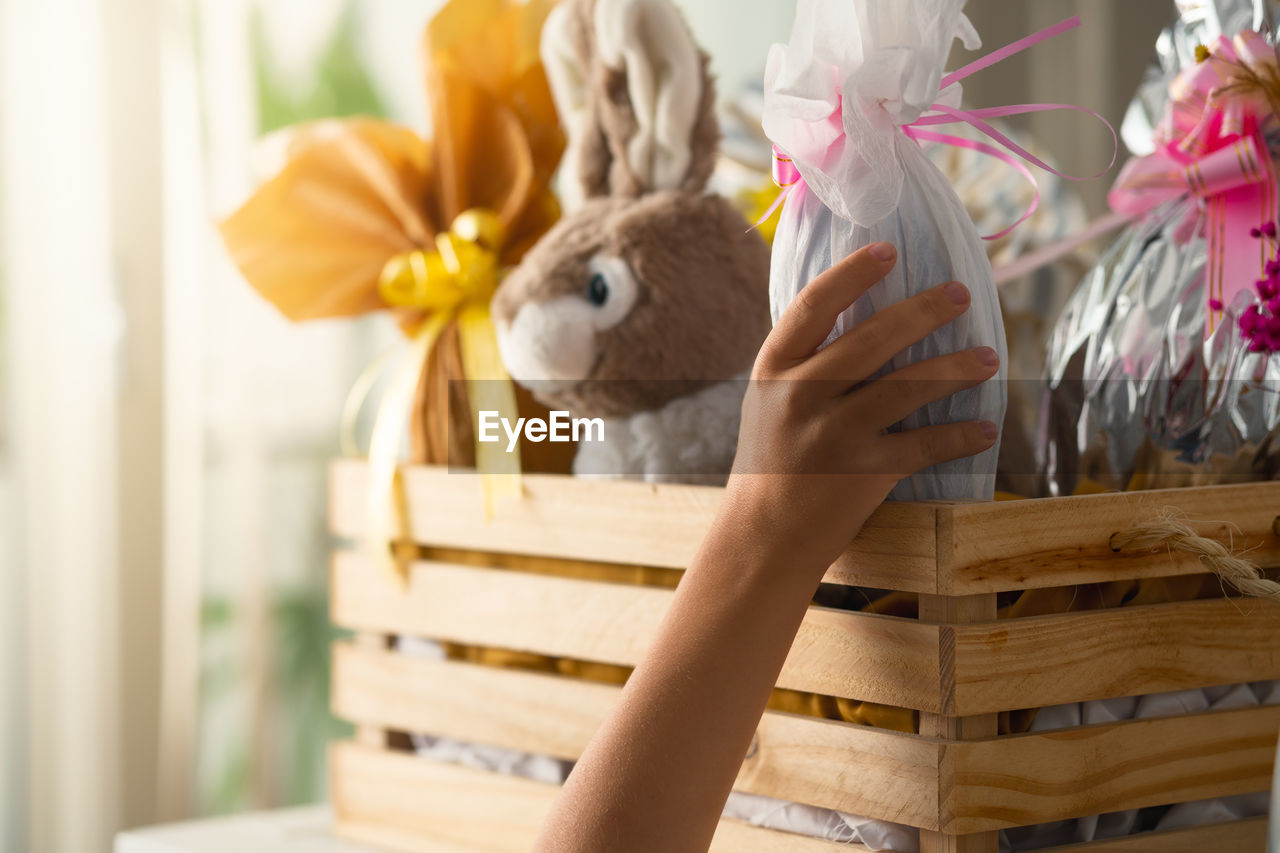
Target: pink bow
787,176
1210,146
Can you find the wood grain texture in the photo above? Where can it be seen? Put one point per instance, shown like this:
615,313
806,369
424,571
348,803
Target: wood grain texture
417,806
1236,836
404,803
855,769
531,712
836,653
952,549
950,611
1018,780
1009,545
939,842
1127,651
617,522
981,785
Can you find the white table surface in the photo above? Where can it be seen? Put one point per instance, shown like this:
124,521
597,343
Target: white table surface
304,830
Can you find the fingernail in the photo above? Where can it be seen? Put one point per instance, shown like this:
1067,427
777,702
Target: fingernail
883,251
987,356
957,293
989,430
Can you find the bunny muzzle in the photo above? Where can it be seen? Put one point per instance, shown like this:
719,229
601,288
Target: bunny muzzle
553,341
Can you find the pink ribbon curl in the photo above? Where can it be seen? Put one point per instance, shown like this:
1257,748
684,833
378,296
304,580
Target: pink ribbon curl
787,176
1210,147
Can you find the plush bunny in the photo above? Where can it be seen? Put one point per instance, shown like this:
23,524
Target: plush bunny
645,306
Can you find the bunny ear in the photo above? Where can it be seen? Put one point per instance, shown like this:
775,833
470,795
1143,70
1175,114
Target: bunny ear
633,88
568,44
666,133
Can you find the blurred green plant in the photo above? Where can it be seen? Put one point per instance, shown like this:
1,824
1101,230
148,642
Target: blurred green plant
300,640
342,86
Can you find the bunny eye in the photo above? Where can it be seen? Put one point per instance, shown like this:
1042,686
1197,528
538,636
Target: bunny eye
610,293
598,290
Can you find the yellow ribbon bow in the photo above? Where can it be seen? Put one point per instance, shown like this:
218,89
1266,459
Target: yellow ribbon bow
463,269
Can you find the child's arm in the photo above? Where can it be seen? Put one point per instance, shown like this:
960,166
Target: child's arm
813,463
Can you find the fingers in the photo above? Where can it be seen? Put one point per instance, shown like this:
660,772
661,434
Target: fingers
810,318
902,392
857,355
922,448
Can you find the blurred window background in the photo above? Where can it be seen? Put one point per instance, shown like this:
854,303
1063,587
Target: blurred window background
165,434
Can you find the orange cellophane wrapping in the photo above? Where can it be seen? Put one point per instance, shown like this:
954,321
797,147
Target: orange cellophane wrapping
353,194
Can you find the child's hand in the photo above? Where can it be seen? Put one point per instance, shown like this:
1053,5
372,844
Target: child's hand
813,454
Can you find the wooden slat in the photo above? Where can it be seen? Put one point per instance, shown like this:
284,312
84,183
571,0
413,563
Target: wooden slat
1127,651
956,610
526,711
854,769
837,653
368,734
1008,545
397,800
952,549
418,806
617,522
1034,778
1236,836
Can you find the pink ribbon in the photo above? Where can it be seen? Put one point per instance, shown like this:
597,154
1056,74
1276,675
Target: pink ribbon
785,172
792,182
1210,147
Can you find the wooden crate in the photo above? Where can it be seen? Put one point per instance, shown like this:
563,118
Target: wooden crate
495,584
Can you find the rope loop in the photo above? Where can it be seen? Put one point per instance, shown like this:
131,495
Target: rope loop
1171,531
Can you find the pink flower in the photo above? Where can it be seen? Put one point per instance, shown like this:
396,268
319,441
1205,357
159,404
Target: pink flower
1260,322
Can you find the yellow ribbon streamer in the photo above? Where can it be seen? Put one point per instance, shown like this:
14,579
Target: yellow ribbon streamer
455,281
356,398
383,504
489,388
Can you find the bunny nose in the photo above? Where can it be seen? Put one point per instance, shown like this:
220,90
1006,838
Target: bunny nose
549,342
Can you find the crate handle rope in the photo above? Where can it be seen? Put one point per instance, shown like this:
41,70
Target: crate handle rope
1170,530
